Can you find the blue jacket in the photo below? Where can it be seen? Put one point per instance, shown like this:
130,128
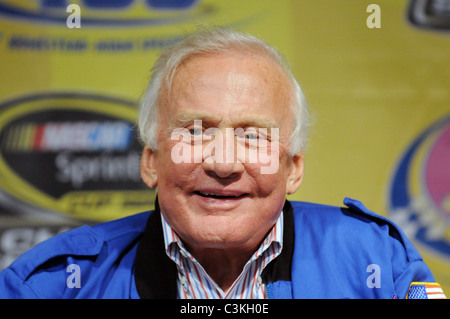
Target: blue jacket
329,252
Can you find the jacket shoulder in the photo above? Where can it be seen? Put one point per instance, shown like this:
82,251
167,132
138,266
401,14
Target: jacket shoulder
354,221
352,241
80,245
81,241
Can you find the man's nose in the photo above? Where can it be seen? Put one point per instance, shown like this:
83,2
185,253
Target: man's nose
223,160
224,170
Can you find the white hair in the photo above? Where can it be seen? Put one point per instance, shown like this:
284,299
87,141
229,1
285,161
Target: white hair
210,41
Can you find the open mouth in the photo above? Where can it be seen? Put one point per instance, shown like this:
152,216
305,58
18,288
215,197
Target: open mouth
220,196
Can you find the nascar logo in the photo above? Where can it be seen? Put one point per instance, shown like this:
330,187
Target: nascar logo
71,153
74,136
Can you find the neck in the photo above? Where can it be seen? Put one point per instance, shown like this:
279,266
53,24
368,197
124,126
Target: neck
223,266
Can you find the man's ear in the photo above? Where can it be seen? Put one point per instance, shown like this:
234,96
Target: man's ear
295,177
148,167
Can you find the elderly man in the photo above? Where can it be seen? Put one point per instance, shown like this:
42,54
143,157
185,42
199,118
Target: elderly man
224,127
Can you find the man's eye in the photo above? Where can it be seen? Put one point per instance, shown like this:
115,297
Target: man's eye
251,136
195,131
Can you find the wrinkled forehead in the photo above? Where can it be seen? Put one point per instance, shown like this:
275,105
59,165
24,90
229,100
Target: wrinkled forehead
263,64
241,83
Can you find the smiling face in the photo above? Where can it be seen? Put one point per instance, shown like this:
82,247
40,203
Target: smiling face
228,204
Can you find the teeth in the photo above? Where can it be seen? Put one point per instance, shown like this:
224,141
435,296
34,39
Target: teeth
211,194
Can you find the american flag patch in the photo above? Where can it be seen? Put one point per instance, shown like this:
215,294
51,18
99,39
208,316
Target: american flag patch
425,290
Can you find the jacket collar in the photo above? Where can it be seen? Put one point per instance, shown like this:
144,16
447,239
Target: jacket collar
156,274
280,267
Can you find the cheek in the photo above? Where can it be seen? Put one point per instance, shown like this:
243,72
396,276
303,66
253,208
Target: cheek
176,175
271,171
172,173
267,184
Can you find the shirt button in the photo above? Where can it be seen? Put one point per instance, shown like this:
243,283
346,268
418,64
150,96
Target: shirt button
183,280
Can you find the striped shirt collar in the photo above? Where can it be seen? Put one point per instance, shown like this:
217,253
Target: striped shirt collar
194,282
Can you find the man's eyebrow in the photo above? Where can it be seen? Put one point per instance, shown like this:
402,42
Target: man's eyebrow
186,118
258,122
211,120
